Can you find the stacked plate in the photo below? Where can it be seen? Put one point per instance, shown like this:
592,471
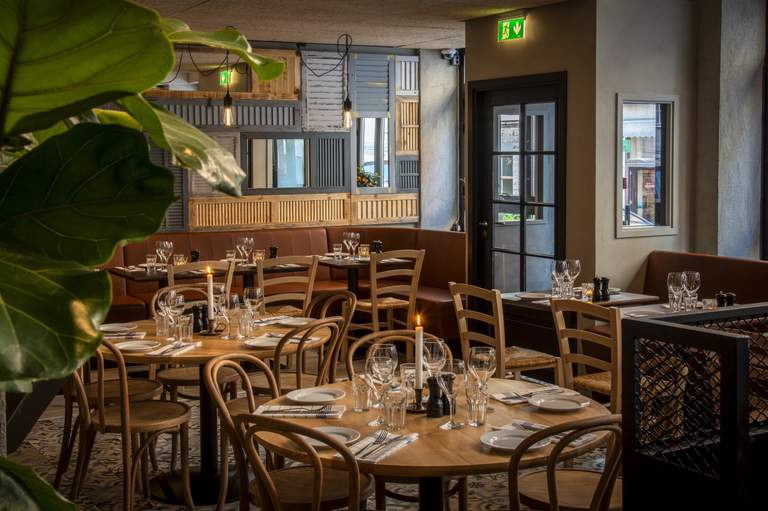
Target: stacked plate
315,395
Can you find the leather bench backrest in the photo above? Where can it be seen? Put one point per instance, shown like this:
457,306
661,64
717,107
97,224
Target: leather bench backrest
745,277
445,258
393,238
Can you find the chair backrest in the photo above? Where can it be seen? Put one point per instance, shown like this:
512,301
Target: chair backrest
307,341
408,337
194,288
254,425
225,267
401,281
294,287
482,307
571,431
339,303
587,312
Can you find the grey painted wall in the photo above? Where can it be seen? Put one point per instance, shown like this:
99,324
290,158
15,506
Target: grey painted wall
439,138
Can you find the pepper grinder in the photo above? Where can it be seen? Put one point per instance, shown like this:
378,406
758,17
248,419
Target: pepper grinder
435,403
597,292
273,251
605,289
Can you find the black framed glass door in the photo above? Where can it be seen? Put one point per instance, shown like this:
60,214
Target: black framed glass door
517,182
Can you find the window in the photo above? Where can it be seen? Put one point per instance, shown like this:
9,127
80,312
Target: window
645,166
277,163
373,152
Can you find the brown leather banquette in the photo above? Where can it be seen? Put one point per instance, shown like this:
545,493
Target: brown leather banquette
745,277
445,261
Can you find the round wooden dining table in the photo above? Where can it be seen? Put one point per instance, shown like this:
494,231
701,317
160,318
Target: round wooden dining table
205,480
438,453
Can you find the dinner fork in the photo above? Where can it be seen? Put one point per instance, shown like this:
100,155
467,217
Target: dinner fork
380,437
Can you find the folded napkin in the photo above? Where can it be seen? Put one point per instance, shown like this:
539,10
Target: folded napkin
270,320
271,340
366,451
295,338
521,425
513,398
129,268
309,412
169,351
124,335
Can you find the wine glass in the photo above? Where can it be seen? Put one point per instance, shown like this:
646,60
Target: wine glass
253,297
164,250
247,248
354,241
573,267
675,286
452,380
559,269
227,308
372,369
174,303
434,356
345,240
691,284
482,363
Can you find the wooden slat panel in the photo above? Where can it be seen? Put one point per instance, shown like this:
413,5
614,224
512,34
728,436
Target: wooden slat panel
407,76
323,95
288,85
385,208
370,83
407,125
282,115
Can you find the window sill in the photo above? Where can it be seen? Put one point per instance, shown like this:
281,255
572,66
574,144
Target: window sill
645,232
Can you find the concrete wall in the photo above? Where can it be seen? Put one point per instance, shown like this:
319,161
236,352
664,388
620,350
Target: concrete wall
643,47
439,141
559,37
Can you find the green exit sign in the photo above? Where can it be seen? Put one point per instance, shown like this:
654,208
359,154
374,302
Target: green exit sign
510,29
225,76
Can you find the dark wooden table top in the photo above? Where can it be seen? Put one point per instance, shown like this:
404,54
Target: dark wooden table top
141,275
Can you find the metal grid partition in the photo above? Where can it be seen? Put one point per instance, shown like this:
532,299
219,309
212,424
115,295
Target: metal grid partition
695,409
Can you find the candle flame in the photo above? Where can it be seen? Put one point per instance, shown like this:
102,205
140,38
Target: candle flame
208,269
418,319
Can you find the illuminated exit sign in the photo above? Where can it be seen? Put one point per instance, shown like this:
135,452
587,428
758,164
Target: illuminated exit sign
225,76
511,29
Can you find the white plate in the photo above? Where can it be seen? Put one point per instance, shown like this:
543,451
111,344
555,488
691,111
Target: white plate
294,321
315,395
118,327
262,342
346,436
559,402
532,296
509,439
137,345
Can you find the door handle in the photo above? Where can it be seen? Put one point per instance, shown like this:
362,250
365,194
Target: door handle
483,228
483,224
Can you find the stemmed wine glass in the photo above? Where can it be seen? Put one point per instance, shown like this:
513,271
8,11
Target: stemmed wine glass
244,247
174,304
452,380
253,297
345,237
482,364
164,250
675,287
691,285
573,268
354,241
380,369
434,356
226,309
559,270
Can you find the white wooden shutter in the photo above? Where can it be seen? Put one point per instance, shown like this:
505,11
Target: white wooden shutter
323,95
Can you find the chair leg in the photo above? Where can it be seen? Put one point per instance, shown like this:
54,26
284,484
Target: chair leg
87,438
381,494
224,472
184,433
153,456
66,441
174,436
463,491
145,465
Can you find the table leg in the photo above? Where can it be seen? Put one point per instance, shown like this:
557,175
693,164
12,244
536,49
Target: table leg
352,280
247,280
431,494
205,482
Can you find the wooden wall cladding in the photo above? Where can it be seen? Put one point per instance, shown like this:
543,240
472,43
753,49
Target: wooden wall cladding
407,125
269,211
288,85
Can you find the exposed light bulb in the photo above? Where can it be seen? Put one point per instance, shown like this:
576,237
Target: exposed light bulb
346,113
229,115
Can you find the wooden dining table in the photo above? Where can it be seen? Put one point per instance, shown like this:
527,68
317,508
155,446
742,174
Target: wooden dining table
438,453
247,271
205,480
353,267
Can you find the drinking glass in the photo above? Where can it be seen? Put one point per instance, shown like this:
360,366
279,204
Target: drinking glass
452,381
164,250
345,236
244,322
259,255
482,363
161,325
435,354
364,250
227,310
151,263
394,409
247,248
253,298
477,402
587,291
675,287
230,255
376,387
361,393
691,285
174,304
184,330
337,250
573,268
354,241
559,269
408,381
179,259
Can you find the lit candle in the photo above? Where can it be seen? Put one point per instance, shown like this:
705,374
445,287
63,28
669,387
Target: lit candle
209,278
419,353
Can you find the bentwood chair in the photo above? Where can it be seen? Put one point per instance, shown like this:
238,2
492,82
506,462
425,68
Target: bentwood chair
408,338
605,377
338,303
228,267
479,311
569,489
228,410
290,294
309,486
139,423
391,290
325,333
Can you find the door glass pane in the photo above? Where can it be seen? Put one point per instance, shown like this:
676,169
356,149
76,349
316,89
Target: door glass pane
506,272
289,162
538,275
541,178
506,226
506,128
540,127
506,168
540,230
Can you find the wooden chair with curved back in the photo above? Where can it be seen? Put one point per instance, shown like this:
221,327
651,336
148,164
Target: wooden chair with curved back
408,337
225,267
308,486
607,379
392,290
569,489
282,290
228,410
478,311
325,332
338,303
138,422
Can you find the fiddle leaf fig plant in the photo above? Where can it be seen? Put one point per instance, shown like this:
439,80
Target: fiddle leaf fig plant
76,181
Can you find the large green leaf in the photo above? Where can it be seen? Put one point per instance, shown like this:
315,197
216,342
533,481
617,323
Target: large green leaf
192,148
226,39
23,490
49,310
60,57
80,193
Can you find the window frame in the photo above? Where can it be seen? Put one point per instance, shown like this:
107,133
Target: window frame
671,191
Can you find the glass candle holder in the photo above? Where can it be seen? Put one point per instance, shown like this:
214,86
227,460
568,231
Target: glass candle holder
364,250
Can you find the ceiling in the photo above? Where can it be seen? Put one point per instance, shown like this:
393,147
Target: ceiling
397,23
